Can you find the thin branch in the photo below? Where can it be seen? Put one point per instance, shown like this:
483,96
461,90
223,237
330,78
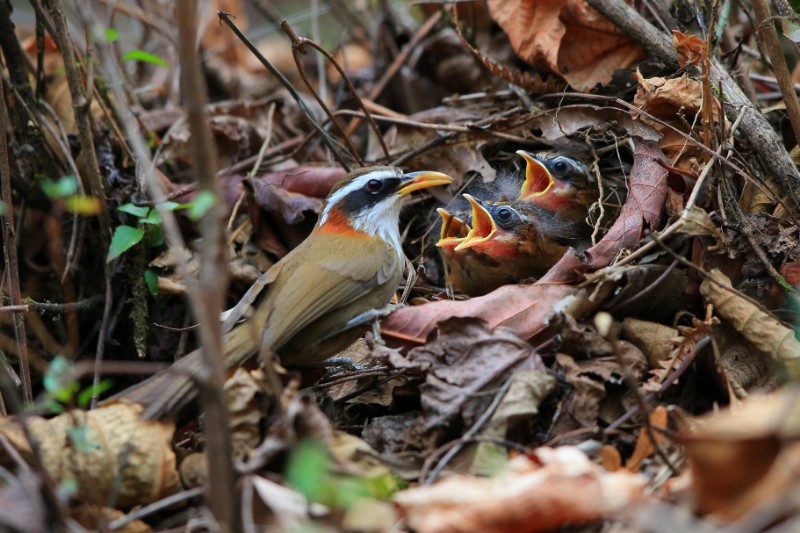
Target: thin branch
300,44
10,253
329,141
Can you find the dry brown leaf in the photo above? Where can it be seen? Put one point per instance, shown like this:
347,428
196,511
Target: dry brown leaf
669,99
744,457
108,451
755,324
690,48
664,97
289,205
594,396
462,364
655,340
553,488
244,396
522,308
313,181
565,37
644,444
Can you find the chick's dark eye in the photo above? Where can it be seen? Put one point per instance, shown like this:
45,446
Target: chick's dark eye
374,186
560,167
504,214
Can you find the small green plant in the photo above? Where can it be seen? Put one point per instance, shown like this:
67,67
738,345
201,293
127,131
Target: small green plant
309,472
65,190
64,390
148,222
126,237
144,57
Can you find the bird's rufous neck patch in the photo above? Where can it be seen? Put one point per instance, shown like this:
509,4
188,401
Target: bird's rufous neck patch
337,223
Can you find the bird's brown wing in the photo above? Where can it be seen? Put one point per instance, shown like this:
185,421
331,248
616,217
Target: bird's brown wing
311,287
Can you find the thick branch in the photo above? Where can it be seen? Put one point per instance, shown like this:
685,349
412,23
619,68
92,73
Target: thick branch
207,299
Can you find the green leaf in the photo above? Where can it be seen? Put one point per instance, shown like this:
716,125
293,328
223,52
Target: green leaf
66,186
151,279
307,470
138,211
86,394
110,35
58,380
123,239
152,218
144,57
171,206
84,205
156,236
204,201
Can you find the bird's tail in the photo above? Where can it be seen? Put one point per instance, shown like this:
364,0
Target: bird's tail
165,393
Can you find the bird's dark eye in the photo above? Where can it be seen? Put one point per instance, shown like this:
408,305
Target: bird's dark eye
560,167
374,185
504,215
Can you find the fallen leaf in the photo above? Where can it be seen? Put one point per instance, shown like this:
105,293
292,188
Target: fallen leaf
567,38
464,365
690,48
755,324
645,446
522,308
109,450
289,205
553,488
745,457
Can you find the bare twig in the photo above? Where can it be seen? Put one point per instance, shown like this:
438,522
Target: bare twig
329,141
299,44
298,47
10,254
398,62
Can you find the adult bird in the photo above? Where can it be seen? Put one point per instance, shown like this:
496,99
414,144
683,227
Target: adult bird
314,299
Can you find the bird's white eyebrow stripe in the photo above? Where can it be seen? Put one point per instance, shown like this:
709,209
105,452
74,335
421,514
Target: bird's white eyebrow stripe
357,183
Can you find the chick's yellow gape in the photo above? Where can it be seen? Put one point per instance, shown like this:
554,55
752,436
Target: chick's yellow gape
351,263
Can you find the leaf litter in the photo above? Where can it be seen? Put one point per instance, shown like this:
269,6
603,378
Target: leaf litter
645,383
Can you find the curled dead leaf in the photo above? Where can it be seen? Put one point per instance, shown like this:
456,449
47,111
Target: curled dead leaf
690,48
108,451
755,324
744,457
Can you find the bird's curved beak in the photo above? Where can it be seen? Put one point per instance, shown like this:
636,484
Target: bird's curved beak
483,227
454,230
414,181
538,179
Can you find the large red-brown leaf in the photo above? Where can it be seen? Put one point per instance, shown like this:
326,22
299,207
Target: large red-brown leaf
522,308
